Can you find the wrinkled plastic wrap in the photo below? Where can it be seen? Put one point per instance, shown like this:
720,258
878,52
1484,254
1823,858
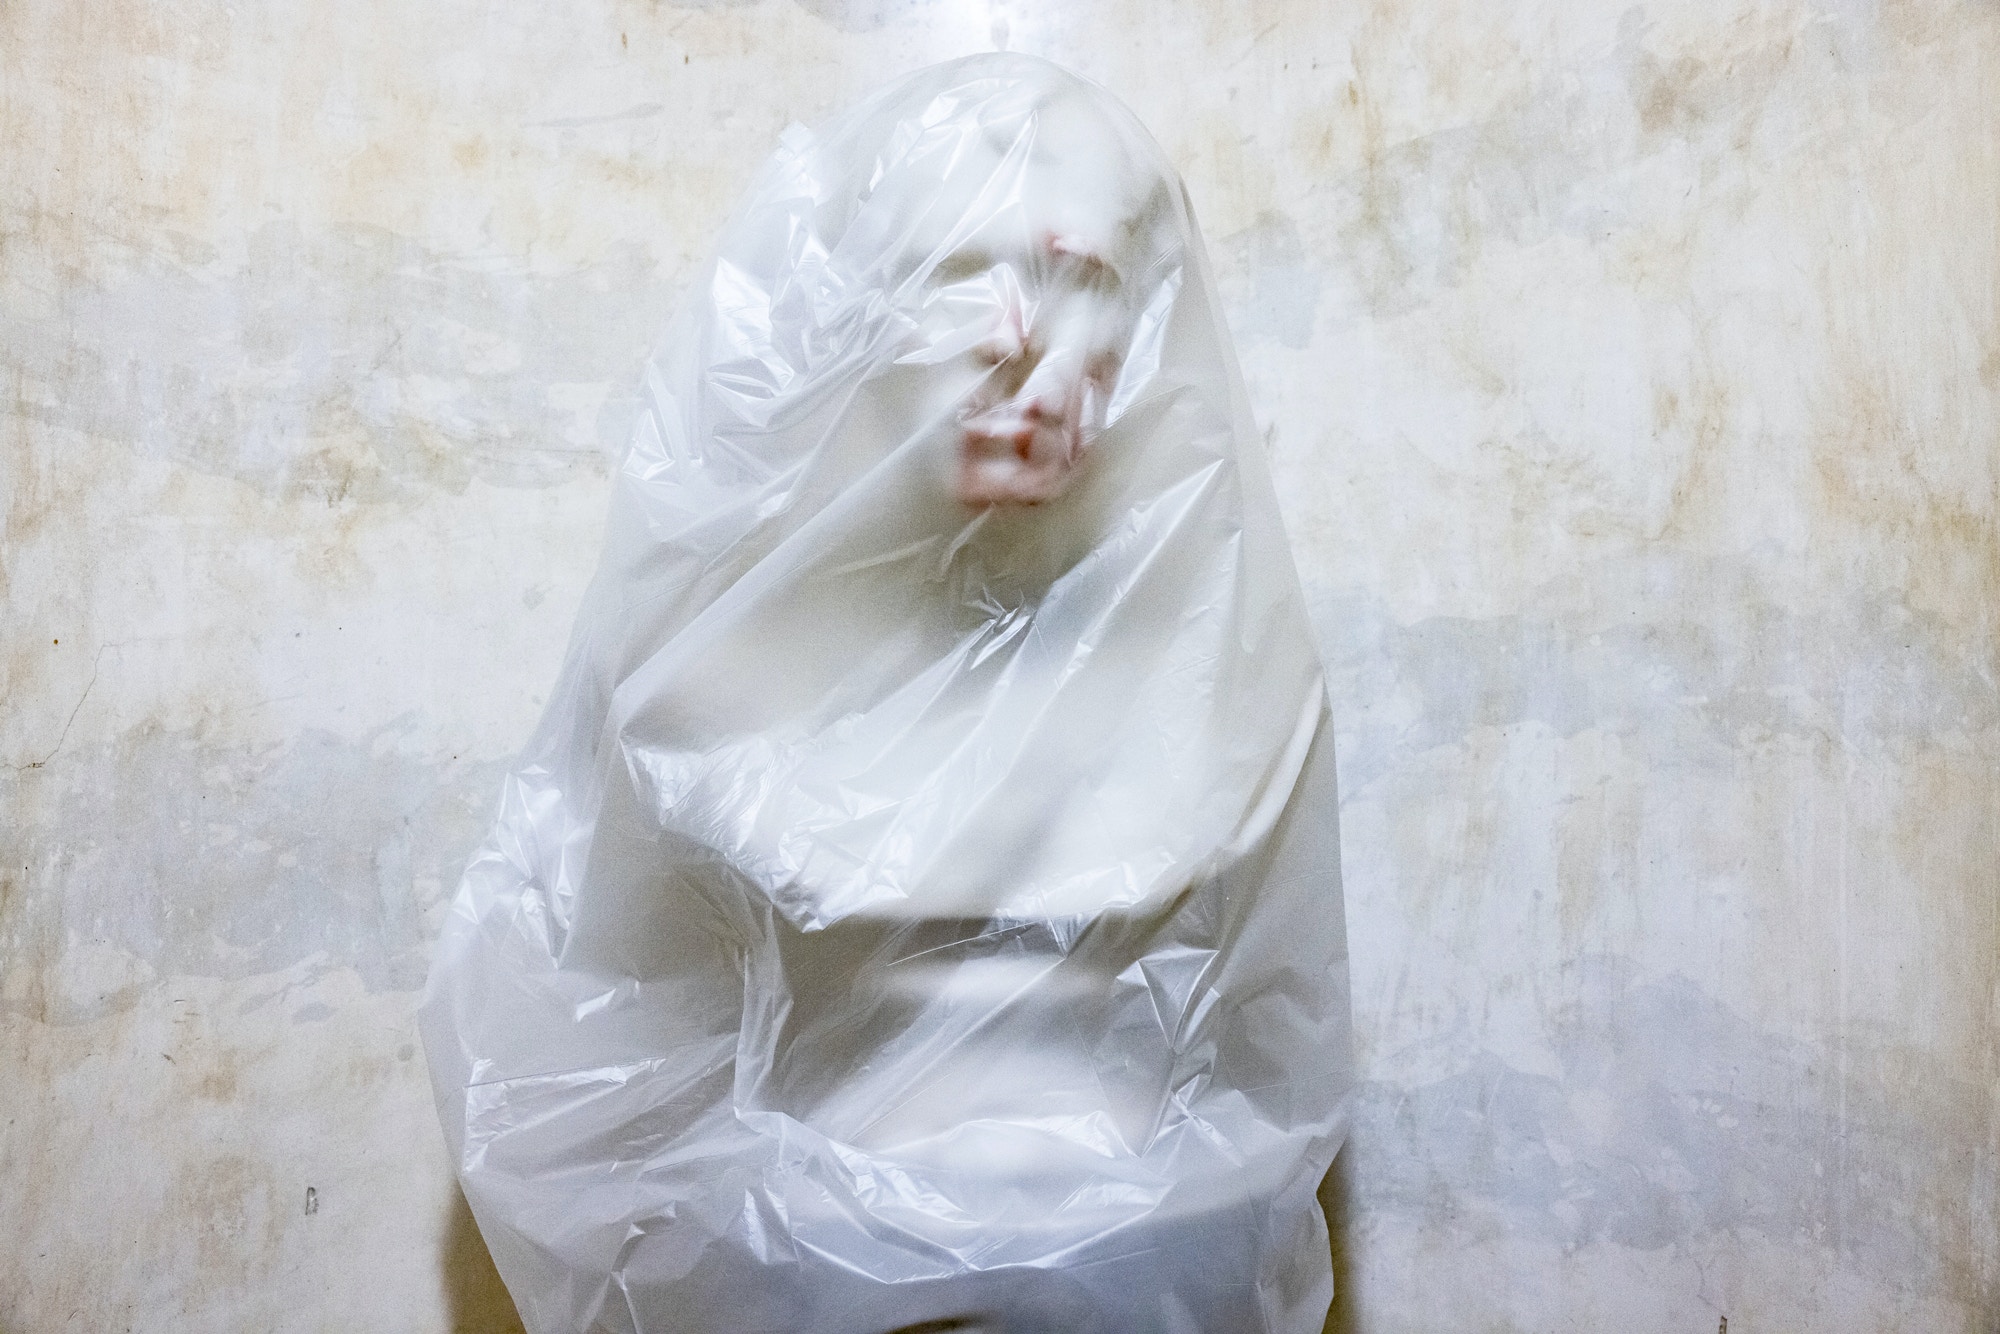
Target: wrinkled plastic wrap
920,904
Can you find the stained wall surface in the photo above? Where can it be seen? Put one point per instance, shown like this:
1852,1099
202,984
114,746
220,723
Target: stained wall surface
1632,379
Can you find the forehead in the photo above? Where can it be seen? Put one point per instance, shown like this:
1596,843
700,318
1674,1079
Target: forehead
1059,169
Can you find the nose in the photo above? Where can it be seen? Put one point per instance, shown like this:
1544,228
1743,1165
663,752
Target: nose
1008,343
1018,448
1021,433
1006,430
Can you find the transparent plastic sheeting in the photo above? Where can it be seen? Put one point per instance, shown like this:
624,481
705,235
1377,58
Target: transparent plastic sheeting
920,905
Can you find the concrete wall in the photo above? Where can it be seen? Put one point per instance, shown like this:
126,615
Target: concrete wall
1631,376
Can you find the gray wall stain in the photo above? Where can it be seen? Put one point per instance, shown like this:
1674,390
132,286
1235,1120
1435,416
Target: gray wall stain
1703,1125
1565,155
1271,285
848,15
357,366
1685,655
868,15
229,862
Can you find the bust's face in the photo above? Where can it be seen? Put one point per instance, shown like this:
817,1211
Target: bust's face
1024,317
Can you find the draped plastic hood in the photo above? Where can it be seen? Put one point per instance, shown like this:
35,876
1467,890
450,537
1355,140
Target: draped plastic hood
922,891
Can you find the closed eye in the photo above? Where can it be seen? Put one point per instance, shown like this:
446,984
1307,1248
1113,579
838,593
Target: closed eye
1086,267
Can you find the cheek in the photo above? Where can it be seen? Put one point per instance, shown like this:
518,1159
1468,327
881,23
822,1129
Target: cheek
908,401
905,417
942,391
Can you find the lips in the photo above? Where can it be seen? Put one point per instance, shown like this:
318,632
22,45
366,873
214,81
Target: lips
1017,453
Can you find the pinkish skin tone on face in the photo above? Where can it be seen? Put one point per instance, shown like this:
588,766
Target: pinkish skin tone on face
1022,433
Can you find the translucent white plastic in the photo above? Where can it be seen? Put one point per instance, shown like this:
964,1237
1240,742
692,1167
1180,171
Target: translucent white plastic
920,904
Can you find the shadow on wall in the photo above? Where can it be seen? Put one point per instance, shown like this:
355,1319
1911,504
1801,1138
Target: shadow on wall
478,1299
1336,1197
